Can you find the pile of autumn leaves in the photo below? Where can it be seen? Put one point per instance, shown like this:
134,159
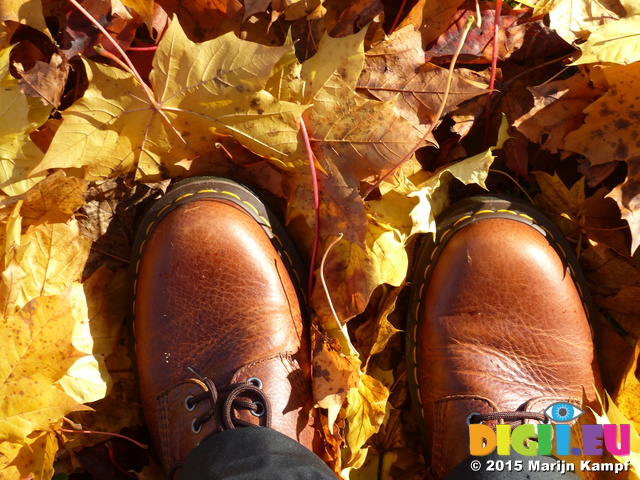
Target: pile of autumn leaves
60,330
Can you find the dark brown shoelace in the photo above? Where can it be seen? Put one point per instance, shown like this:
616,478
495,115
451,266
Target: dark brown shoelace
222,404
223,401
512,418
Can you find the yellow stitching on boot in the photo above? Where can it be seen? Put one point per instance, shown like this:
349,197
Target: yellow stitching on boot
295,272
266,222
231,194
504,210
443,236
288,257
252,207
426,271
546,230
142,245
278,239
186,195
483,211
146,233
163,209
527,217
210,190
421,289
461,219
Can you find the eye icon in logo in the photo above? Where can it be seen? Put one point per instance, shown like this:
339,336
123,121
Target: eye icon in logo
562,412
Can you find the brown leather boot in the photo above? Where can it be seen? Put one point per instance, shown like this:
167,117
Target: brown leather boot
220,337
498,325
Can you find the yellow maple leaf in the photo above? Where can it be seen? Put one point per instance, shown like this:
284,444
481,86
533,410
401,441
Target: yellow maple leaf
627,396
197,91
613,415
31,459
99,310
52,255
575,19
412,205
614,42
37,352
366,407
24,12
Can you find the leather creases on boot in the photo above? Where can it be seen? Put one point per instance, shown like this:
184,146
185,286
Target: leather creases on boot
221,340
498,326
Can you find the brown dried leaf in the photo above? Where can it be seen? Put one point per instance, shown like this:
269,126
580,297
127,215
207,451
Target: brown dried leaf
611,133
431,19
558,110
478,46
333,374
396,68
373,335
627,196
45,80
205,19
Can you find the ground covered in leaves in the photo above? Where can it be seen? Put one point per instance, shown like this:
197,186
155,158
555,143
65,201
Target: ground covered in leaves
388,110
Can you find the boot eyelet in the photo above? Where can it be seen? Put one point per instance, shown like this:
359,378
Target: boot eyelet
190,407
196,429
260,410
256,381
470,418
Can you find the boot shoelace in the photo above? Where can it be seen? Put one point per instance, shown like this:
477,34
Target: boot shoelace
222,402
512,418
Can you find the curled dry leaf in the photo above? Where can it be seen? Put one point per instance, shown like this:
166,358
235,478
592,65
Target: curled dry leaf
45,80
